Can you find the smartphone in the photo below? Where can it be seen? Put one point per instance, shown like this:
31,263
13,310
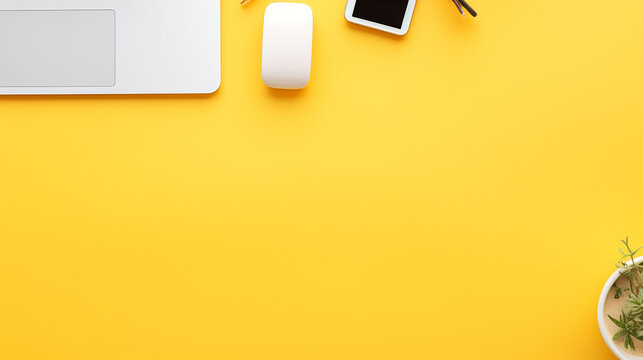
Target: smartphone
393,16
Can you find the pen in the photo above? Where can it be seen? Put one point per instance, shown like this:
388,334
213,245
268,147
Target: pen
463,4
457,4
468,8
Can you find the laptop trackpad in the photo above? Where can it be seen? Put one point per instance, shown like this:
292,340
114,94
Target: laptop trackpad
57,48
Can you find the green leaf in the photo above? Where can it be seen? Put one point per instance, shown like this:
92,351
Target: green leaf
618,323
619,334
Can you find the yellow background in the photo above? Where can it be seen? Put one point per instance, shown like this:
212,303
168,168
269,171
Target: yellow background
455,193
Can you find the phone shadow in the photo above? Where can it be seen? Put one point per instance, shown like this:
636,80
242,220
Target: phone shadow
104,97
375,32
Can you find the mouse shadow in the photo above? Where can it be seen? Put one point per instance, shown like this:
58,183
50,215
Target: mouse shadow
286,94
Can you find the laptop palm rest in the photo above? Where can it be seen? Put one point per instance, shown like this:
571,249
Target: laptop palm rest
57,48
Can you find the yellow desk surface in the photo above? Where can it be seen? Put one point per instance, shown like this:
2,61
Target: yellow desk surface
457,193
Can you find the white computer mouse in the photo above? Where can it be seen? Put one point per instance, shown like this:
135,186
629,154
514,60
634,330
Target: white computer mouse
287,45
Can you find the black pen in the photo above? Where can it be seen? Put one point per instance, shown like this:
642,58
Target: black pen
468,8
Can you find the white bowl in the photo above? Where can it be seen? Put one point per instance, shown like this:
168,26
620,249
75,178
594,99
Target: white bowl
601,318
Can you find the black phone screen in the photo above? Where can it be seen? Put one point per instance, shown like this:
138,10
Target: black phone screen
385,12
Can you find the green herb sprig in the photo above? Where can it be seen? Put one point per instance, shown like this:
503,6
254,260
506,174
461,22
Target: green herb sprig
630,322
630,327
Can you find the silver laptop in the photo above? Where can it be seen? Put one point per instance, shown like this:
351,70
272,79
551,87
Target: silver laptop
109,46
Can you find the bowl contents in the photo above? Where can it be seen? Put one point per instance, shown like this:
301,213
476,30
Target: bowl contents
624,303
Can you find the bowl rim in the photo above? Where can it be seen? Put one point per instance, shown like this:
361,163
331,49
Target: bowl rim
601,310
